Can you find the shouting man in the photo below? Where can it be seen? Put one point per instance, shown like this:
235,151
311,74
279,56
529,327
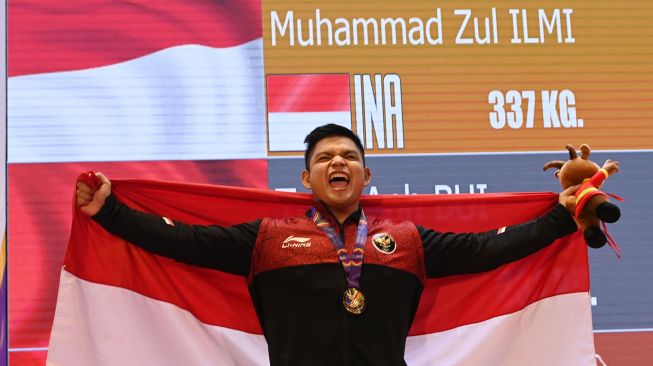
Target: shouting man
350,295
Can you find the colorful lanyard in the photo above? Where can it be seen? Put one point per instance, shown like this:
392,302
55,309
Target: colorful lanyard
353,262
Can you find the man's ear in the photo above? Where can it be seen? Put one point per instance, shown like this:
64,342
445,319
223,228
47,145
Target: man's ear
305,179
368,176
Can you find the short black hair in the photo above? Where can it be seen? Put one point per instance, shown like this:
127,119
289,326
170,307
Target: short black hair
329,130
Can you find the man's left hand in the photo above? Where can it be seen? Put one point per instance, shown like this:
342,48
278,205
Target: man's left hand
567,198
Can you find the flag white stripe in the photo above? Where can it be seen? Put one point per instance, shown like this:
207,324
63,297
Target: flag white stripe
105,325
188,102
97,324
287,130
547,332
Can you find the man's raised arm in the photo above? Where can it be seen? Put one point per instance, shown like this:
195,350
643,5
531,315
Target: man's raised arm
461,253
225,248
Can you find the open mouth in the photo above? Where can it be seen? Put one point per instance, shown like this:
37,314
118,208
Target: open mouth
338,179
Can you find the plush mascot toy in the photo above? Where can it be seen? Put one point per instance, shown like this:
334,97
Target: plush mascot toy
590,206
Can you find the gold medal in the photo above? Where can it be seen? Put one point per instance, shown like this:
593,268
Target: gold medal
354,300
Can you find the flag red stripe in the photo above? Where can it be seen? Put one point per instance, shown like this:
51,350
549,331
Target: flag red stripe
308,93
73,36
222,299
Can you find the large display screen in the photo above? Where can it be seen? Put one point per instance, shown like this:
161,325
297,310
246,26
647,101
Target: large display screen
449,97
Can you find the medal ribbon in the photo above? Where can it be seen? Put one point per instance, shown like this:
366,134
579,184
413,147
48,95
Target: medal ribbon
353,262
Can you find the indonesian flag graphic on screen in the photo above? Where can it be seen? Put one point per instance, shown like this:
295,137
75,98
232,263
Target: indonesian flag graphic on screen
119,305
299,103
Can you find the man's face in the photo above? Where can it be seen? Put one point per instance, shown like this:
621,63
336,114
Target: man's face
337,175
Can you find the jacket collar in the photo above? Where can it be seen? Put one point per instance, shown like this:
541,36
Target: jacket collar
324,211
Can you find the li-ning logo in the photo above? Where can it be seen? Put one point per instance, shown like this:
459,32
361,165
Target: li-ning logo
296,242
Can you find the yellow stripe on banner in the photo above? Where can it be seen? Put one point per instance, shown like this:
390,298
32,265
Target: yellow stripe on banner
3,256
584,193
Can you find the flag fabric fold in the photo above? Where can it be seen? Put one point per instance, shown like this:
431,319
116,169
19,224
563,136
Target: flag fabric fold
118,304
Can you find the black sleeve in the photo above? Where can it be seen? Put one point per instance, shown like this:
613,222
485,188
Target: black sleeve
225,248
461,253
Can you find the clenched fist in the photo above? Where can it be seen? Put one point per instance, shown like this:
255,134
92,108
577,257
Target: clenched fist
91,199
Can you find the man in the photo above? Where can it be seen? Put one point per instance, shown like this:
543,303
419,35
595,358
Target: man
316,302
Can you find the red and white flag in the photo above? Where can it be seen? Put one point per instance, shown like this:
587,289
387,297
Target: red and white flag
297,104
119,305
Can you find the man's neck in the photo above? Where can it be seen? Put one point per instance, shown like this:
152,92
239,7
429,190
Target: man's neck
342,214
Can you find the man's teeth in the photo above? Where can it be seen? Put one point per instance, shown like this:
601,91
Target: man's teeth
339,178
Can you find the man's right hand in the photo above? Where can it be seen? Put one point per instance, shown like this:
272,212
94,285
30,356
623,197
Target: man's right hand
89,201
612,167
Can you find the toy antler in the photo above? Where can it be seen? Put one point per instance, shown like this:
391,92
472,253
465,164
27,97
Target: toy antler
572,151
554,164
